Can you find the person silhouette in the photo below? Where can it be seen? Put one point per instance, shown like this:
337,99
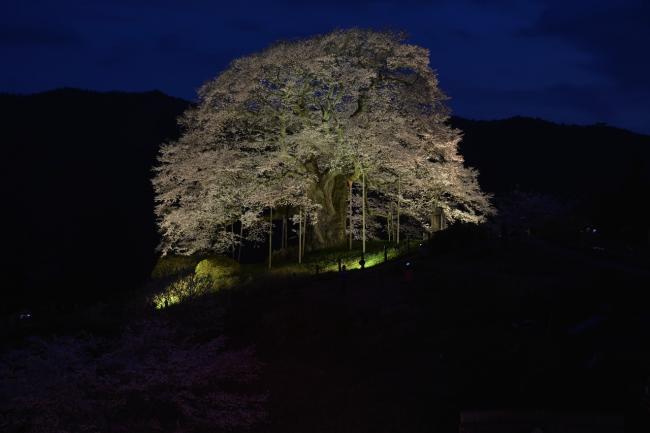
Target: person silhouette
408,272
343,275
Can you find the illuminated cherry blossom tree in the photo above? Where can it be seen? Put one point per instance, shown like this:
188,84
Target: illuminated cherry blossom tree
285,133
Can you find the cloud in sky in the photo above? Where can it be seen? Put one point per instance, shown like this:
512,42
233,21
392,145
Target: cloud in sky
578,61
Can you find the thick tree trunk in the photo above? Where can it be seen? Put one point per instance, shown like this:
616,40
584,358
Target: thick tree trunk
331,193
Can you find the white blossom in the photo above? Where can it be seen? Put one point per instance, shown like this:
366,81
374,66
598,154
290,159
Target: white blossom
288,128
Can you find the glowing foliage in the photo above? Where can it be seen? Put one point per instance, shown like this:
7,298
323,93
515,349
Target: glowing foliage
221,270
188,287
171,265
288,128
210,275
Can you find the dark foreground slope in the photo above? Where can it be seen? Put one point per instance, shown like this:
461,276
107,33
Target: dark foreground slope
78,203
513,329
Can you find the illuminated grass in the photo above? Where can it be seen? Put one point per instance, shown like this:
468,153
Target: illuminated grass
218,269
184,288
216,273
210,275
170,265
327,260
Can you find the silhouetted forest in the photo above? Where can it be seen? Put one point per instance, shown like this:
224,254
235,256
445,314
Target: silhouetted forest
77,192
603,171
78,202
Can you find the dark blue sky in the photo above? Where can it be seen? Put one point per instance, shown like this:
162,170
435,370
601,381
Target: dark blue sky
573,61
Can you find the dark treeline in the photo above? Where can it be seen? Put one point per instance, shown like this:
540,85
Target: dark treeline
78,203
601,172
76,189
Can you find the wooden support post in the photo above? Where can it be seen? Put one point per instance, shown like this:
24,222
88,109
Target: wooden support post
304,235
363,213
285,231
241,240
232,244
270,236
389,219
350,216
399,194
299,236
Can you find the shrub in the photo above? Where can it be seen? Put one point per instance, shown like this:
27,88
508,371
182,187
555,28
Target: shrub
168,266
182,289
221,271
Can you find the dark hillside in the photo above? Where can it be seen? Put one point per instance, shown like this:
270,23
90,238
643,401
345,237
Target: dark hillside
565,160
603,171
76,189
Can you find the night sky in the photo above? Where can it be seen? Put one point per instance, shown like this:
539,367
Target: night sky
573,61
